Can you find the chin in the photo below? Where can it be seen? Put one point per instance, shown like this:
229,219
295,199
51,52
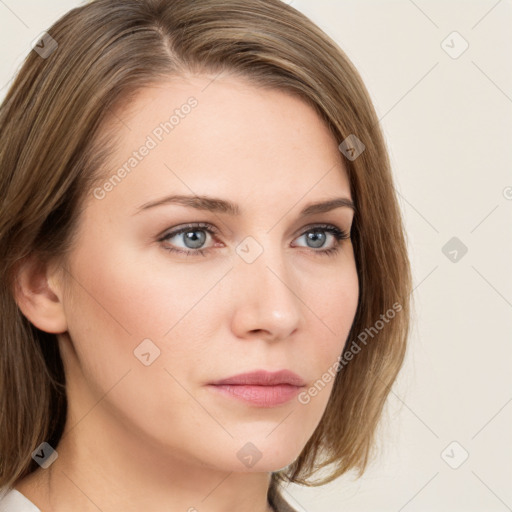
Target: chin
268,457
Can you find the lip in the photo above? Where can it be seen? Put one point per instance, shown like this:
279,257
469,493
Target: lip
263,378
261,388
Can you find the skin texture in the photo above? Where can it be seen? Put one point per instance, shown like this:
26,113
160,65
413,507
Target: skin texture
157,437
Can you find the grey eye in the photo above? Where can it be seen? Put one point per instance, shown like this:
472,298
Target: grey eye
192,240
317,238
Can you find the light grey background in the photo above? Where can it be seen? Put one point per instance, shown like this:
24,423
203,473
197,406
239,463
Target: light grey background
448,124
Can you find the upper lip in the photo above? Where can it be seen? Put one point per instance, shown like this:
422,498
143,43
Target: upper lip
263,378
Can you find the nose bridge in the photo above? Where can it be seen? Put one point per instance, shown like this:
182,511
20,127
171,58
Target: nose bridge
265,285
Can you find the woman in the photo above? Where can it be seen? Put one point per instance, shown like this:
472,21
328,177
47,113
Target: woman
205,279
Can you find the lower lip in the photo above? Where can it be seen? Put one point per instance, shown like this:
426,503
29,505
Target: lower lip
261,396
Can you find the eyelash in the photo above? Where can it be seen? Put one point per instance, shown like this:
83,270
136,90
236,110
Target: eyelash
338,234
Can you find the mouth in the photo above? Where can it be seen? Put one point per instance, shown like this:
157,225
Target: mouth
261,388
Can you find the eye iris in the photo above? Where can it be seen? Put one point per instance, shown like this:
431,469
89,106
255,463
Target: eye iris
197,241
317,237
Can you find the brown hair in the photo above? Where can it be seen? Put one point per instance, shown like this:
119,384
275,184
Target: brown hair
49,123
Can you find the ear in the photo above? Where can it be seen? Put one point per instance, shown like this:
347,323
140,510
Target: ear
38,293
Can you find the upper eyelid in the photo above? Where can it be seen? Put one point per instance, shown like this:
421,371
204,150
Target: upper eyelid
186,227
213,230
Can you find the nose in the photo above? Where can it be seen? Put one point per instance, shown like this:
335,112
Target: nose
266,303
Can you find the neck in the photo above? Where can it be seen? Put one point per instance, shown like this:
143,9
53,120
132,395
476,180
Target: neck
98,468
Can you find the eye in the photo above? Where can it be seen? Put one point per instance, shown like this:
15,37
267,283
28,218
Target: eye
194,237
316,237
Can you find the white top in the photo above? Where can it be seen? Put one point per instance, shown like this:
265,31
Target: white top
12,500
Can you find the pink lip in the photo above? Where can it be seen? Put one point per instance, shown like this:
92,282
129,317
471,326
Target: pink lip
261,388
263,378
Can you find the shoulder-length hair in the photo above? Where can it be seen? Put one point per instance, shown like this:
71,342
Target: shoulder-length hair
100,55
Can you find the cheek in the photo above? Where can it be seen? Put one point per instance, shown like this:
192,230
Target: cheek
122,299
332,300
114,305
335,305
139,293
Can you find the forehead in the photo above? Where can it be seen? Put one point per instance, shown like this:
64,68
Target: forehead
221,136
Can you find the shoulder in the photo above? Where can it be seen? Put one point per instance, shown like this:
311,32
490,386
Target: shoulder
12,500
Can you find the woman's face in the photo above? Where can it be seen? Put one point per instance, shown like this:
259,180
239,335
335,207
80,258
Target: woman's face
150,328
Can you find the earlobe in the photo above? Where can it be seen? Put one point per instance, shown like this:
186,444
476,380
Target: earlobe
38,296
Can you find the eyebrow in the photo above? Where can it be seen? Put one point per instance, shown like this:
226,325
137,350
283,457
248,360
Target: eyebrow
217,205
